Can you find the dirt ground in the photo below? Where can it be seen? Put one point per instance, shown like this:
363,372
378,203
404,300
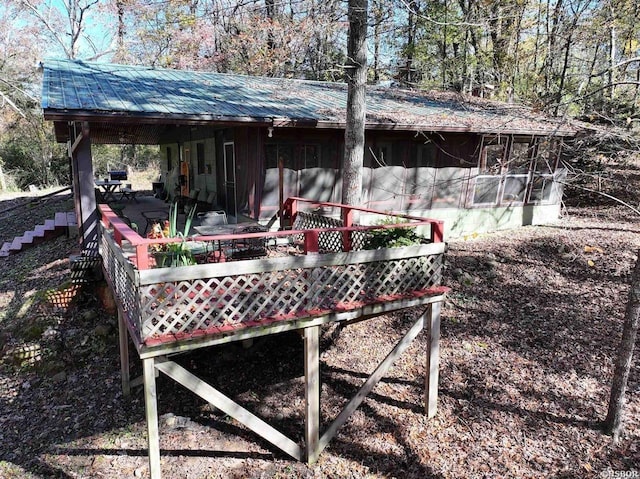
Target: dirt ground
529,336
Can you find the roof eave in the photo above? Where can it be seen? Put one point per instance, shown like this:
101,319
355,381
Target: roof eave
431,128
58,115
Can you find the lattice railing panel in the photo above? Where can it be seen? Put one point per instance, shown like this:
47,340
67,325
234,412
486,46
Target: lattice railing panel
211,305
123,285
328,241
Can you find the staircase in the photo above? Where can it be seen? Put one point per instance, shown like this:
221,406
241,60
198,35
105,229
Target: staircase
50,229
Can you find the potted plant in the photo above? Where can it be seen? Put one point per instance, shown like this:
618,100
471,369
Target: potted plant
169,255
392,237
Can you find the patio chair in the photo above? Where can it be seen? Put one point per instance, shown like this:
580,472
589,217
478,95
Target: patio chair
208,204
212,218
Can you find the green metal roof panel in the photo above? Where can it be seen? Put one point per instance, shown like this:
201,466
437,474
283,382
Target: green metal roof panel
98,88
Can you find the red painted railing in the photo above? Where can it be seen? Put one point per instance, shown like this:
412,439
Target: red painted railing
121,231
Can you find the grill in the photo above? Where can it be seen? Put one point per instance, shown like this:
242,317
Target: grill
118,175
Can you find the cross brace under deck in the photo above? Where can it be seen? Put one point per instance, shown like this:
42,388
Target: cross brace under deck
314,442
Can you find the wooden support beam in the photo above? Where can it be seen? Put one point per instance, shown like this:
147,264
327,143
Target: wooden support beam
229,407
151,409
432,325
312,392
124,354
83,189
371,382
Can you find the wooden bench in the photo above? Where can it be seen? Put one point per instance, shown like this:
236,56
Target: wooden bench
128,192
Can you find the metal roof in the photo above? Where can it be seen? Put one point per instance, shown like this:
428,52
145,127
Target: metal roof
107,93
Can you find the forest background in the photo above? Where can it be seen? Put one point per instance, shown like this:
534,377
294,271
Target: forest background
570,58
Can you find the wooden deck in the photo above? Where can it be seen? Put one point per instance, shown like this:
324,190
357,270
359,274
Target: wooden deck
171,310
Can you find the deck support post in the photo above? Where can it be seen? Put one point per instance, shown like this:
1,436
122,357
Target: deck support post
151,409
124,354
312,392
83,186
432,325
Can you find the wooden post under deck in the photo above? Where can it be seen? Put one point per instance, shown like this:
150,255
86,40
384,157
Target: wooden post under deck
312,392
432,325
429,321
151,409
124,354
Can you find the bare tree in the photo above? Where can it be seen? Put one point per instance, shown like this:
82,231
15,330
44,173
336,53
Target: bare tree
65,26
613,423
356,103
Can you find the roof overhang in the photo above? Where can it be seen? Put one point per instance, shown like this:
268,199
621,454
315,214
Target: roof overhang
148,129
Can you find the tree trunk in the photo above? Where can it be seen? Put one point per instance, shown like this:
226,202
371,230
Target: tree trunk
612,55
356,104
271,15
613,423
377,25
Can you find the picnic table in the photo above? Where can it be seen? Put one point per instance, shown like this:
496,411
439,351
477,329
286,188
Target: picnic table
108,188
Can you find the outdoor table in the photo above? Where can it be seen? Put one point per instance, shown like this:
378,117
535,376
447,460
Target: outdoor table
109,187
220,229
233,229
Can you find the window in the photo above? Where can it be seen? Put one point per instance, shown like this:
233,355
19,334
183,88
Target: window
200,158
545,163
294,156
517,171
229,163
426,156
378,155
486,189
276,152
541,188
492,160
310,156
169,159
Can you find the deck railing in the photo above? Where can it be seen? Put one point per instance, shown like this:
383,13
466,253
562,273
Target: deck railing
317,268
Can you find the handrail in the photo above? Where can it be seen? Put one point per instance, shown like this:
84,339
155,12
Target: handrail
122,231
290,209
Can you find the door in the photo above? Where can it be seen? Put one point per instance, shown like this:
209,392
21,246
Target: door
229,162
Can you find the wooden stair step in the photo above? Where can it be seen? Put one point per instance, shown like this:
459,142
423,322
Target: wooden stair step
61,220
16,244
50,229
28,237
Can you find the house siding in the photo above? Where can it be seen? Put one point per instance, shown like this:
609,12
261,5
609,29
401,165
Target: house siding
422,174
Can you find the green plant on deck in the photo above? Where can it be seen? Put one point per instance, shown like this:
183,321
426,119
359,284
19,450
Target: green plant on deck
392,237
173,221
176,254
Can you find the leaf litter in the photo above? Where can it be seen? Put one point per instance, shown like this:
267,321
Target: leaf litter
529,336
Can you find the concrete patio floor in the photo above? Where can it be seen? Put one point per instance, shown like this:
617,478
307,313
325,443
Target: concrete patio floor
152,206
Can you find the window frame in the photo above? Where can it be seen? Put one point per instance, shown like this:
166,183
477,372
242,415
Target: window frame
526,173
526,170
548,175
484,171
